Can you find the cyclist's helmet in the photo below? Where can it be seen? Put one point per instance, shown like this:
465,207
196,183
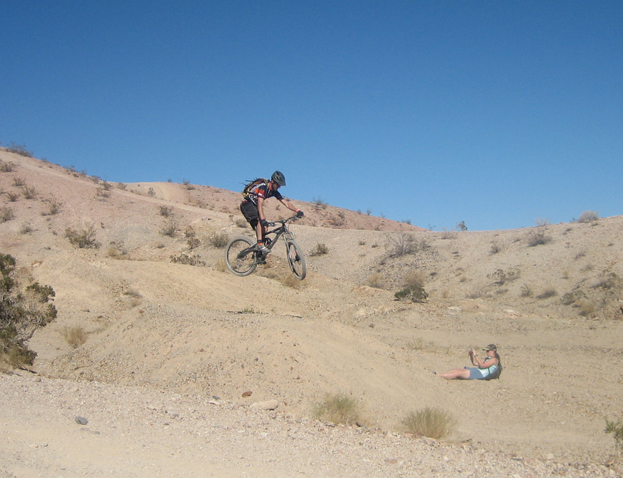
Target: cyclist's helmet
279,178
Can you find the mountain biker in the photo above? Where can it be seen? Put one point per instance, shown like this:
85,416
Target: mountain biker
252,207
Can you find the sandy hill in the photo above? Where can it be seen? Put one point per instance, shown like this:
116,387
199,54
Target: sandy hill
549,296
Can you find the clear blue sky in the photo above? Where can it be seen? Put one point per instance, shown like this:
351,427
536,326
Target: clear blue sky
496,113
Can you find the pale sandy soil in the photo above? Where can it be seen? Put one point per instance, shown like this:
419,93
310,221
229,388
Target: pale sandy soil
164,339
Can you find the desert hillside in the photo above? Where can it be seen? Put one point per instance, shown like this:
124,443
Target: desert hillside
159,311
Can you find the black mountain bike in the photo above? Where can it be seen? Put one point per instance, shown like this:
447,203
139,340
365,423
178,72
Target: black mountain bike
242,256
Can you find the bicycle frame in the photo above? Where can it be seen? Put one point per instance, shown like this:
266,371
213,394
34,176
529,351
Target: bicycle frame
279,231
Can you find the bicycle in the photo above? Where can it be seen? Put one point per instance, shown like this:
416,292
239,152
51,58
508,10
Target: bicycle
242,256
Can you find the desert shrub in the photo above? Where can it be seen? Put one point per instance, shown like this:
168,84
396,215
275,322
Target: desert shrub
241,223
526,291
29,192
20,149
319,203
102,192
6,167
19,182
26,228
501,276
13,196
22,312
6,214
193,260
404,243
218,239
538,237
547,293
588,216
461,226
616,428
169,227
192,243
54,207
221,265
414,287
74,336
122,186
543,221
587,308
418,343
338,408
320,250
430,422
165,211
376,280
83,238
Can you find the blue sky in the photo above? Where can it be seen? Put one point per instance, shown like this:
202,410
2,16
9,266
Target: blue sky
495,113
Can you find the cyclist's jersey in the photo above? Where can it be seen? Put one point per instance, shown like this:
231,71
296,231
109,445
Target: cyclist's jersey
262,191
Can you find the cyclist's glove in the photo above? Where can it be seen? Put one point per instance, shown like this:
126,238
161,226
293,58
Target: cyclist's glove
264,223
299,213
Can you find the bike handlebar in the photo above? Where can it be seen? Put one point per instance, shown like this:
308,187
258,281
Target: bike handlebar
283,221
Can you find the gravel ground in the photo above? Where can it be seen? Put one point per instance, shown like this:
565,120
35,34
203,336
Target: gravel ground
140,432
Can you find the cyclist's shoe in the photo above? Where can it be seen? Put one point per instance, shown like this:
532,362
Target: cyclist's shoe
261,259
263,249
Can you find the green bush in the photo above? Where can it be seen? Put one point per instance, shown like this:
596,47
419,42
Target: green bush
616,428
22,312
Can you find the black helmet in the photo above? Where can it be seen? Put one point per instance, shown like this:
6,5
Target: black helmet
279,178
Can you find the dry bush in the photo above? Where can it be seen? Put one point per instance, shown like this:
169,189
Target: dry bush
20,149
19,182
320,250
538,237
6,214
13,197
54,207
588,216
6,167
587,308
547,293
430,422
414,279
169,227
26,228
75,336
221,265
218,239
83,238
29,192
194,260
418,343
616,428
338,408
165,211
241,223
376,280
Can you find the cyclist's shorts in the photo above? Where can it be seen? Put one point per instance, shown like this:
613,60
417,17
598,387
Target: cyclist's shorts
250,213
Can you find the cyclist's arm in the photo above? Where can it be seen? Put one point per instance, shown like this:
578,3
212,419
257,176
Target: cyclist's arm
289,205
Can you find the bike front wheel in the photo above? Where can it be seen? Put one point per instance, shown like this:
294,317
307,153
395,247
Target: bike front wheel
296,259
240,257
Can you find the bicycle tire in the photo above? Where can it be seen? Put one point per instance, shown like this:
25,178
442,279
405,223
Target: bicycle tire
296,259
240,265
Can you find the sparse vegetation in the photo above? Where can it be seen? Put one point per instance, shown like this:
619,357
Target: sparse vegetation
193,260
538,237
20,149
241,223
376,280
83,238
319,203
461,226
165,211
588,216
6,214
430,422
75,336
413,287
547,293
19,182
404,243
54,207
170,227
7,167
616,428
29,192
218,239
339,409
26,228
320,250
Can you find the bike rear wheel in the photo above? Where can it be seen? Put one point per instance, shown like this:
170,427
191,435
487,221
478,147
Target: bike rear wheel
296,259
239,257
